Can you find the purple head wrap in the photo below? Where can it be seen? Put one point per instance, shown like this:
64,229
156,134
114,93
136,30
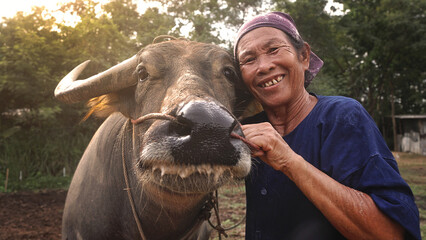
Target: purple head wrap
285,23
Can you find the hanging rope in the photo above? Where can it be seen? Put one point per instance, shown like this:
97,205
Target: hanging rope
213,200
128,190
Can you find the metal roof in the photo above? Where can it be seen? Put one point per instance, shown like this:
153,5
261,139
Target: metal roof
413,116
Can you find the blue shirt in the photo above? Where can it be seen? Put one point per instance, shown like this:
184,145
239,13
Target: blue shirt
341,139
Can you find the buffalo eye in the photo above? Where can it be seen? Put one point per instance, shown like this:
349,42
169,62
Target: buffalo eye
229,72
142,73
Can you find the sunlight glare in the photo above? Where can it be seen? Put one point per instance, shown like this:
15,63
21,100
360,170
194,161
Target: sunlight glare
9,9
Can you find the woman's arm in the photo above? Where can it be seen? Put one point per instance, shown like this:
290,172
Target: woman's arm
353,213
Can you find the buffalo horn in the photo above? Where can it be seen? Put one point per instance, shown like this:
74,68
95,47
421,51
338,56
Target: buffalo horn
71,90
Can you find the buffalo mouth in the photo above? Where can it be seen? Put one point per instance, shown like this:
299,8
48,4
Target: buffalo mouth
195,153
157,166
189,179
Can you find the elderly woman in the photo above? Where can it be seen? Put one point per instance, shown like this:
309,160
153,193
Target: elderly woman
324,170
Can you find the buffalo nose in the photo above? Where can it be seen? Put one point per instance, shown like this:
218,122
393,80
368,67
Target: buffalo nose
205,132
206,120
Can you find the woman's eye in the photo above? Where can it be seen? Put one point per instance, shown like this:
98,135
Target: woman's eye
273,50
247,61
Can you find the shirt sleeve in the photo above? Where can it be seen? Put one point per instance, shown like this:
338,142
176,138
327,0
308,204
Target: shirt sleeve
390,192
355,154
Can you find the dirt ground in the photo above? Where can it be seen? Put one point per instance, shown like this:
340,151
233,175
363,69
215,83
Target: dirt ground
31,215
37,215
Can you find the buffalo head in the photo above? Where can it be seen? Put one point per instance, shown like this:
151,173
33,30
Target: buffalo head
195,83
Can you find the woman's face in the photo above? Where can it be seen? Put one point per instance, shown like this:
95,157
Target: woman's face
271,67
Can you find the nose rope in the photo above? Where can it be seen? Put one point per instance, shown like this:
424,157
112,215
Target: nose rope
173,119
213,201
161,116
251,145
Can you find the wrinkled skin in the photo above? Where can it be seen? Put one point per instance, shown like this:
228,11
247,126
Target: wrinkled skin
172,166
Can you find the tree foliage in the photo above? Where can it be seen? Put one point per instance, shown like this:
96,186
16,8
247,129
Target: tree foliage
31,54
374,52
389,39
326,38
36,52
208,18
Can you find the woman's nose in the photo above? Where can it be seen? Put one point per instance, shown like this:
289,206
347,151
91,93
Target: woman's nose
264,64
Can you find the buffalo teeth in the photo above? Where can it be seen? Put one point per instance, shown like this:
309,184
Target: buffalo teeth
218,174
209,171
163,171
186,171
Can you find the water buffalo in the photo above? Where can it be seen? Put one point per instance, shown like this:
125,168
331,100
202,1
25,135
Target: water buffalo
173,160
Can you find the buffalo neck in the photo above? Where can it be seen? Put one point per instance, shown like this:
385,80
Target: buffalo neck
179,212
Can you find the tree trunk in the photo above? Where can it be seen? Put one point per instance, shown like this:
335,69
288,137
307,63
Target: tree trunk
392,99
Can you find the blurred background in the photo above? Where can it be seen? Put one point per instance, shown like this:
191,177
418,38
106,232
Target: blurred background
374,51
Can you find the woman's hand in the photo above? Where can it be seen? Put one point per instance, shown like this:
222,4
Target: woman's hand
274,150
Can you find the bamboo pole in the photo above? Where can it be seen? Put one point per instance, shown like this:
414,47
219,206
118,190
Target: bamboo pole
7,178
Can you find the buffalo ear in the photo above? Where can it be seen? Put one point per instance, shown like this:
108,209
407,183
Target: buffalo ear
253,107
102,106
246,105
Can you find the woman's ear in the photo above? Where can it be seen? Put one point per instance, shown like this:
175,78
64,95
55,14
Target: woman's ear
306,55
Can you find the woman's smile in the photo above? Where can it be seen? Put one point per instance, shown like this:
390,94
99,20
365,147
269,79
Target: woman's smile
272,82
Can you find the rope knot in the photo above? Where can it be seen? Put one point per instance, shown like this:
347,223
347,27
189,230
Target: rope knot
221,230
205,213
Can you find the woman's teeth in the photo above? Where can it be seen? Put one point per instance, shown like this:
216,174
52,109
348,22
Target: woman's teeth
273,82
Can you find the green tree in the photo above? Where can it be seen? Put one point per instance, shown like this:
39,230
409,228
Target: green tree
208,18
33,126
139,29
152,24
389,38
95,37
373,53
30,61
327,39
38,134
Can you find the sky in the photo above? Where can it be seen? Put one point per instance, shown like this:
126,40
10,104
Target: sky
8,8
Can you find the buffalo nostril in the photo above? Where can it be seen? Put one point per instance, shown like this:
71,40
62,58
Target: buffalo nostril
204,131
182,127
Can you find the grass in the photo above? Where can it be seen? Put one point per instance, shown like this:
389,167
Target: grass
35,158
232,198
413,170
411,166
232,207
34,183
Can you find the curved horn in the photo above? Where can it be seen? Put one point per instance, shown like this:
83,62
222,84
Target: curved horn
120,76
